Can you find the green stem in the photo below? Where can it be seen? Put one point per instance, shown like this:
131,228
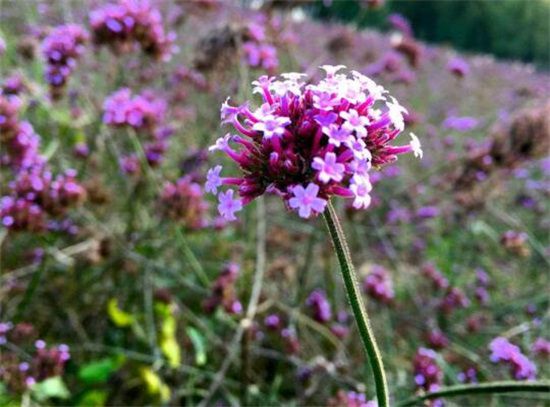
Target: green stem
480,388
357,305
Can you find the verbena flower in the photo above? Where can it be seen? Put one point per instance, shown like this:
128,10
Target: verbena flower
520,366
350,399
183,202
61,49
307,143
427,373
130,23
378,285
141,112
319,306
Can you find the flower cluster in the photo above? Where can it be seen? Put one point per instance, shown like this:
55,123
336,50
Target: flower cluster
541,347
307,143
350,399
142,112
482,283
454,298
438,280
516,242
34,193
183,202
223,292
319,306
130,23
437,339
520,366
427,374
258,52
19,374
378,285
61,49
458,67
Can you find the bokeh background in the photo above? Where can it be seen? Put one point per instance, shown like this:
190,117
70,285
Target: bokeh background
120,283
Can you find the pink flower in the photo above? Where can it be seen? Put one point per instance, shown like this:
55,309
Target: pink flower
329,168
228,205
306,200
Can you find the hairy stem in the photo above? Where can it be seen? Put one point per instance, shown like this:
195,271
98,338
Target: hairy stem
357,305
480,388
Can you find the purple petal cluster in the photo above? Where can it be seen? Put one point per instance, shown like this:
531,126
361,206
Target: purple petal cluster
34,194
378,285
142,112
319,306
541,347
521,367
61,50
128,24
307,143
183,202
427,374
458,67
258,52
19,374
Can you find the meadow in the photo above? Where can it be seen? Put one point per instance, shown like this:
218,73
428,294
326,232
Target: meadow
132,273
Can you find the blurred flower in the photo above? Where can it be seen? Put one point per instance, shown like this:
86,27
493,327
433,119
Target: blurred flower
401,24
458,67
61,49
378,285
293,145
223,292
504,351
319,306
516,243
183,202
128,23
427,374
541,347
141,112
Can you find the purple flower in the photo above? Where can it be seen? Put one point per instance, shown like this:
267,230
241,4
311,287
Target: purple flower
520,366
458,67
213,180
306,200
320,307
229,205
333,127
329,168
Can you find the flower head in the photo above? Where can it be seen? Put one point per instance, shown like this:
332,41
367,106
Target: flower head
309,142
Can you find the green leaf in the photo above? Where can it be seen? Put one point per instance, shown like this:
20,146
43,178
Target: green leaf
119,317
93,398
99,371
198,343
54,387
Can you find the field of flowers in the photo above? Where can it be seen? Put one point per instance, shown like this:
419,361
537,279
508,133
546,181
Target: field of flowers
168,173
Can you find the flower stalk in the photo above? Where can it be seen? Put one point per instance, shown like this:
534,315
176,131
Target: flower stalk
480,388
357,305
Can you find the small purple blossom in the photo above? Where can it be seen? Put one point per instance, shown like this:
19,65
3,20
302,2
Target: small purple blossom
520,366
306,200
329,168
213,180
229,205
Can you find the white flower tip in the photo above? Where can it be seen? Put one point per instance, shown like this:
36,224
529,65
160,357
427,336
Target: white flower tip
416,147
